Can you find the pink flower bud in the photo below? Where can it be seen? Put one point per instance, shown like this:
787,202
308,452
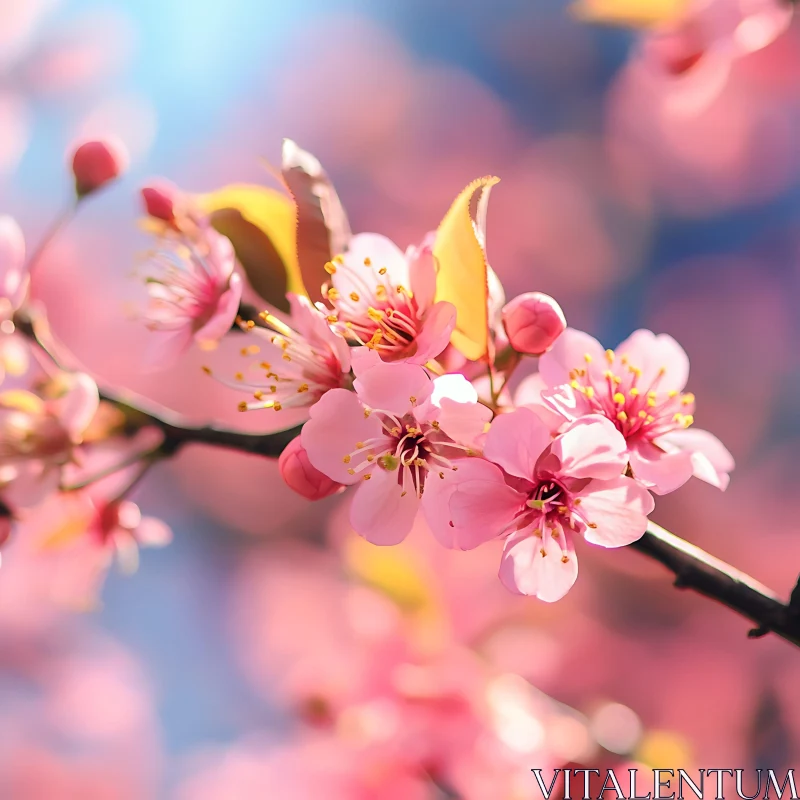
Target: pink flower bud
159,200
96,162
533,321
303,478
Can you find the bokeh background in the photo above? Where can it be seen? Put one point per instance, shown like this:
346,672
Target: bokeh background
635,197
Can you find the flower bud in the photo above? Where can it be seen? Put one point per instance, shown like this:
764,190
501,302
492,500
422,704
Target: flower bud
96,162
533,321
159,200
301,476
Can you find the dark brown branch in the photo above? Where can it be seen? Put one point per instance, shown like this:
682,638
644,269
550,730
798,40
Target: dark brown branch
697,570
178,432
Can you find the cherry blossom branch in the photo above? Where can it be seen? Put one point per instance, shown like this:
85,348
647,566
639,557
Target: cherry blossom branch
693,568
697,570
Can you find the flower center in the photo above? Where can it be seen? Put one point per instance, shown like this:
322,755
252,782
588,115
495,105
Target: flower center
376,313
637,409
415,450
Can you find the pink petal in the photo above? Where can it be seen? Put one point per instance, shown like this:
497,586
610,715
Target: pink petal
482,504
78,407
434,335
652,354
454,404
225,313
422,272
515,441
711,460
529,395
313,326
618,507
165,347
524,570
497,503
566,402
34,481
381,252
14,352
568,353
393,387
337,423
465,423
12,259
661,472
591,447
380,512
152,532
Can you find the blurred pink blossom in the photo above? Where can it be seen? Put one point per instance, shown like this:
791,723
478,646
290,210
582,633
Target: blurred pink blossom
13,287
39,436
194,295
96,162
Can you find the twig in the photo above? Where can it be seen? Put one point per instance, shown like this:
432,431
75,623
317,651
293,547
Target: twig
697,570
178,432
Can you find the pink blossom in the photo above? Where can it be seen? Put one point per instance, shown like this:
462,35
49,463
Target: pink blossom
396,435
718,29
532,322
538,492
39,436
13,287
385,299
301,476
95,163
299,358
639,387
194,294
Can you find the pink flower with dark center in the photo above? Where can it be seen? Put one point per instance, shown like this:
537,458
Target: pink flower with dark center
194,294
639,387
395,436
384,299
38,437
299,358
538,492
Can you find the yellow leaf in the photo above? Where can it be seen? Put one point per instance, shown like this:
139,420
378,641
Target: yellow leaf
274,215
391,570
630,13
461,261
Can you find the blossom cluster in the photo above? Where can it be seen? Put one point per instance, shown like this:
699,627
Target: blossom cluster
67,463
406,392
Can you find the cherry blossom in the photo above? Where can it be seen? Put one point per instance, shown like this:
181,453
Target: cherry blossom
39,436
538,492
385,300
399,432
13,287
298,358
194,294
639,387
